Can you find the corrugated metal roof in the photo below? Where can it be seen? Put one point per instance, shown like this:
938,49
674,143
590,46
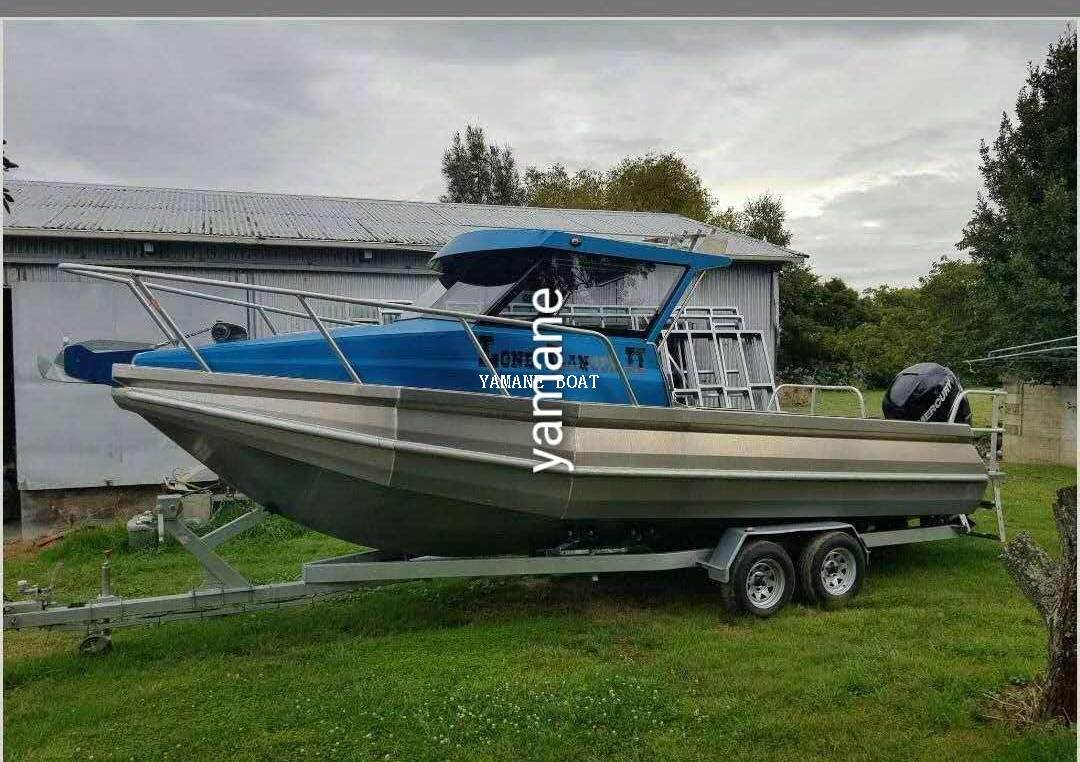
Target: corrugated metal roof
44,208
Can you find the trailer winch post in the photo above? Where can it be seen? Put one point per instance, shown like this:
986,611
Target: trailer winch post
106,580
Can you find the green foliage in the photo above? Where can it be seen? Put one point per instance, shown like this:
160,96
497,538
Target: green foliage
480,173
893,340
554,188
8,166
762,218
657,183
814,316
829,333
1023,229
727,219
650,183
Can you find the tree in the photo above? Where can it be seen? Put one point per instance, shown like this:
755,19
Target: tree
479,173
1023,229
728,219
959,319
1051,586
762,218
554,188
8,198
943,320
657,183
891,337
506,188
649,183
814,314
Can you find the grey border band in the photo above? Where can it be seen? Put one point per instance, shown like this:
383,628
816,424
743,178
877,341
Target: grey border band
549,9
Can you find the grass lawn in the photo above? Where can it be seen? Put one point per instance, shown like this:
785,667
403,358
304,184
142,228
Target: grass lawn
632,668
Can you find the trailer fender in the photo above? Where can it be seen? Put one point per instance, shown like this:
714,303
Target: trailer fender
722,558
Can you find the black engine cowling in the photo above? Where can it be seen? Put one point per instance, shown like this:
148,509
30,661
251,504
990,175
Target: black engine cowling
925,392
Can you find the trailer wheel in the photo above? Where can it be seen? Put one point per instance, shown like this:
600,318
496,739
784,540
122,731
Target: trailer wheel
764,578
95,644
831,568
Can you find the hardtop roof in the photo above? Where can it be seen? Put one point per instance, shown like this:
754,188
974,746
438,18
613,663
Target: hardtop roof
524,241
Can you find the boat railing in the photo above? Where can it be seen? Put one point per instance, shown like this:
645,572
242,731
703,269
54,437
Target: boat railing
995,430
141,288
814,389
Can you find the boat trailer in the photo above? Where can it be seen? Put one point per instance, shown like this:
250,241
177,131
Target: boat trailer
227,591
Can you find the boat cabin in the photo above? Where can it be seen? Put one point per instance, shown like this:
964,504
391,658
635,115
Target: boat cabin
473,329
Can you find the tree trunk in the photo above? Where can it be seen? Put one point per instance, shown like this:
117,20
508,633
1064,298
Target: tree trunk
1051,587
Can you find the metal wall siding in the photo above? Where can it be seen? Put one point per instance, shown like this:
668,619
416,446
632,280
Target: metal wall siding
360,285
175,252
72,435
747,286
35,273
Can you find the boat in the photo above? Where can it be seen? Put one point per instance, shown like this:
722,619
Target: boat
416,437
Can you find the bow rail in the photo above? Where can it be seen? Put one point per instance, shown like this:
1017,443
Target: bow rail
142,289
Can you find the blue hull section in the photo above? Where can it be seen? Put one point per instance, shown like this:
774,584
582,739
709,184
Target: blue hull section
434,354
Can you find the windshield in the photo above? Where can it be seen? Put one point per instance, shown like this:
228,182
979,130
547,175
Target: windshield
620,296
473,283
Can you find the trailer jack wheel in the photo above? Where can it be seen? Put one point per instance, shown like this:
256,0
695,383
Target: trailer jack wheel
95,644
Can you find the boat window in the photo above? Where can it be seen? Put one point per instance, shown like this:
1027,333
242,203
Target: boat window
612,294
473,283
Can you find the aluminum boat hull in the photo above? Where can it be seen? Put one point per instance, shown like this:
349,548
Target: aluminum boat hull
422,471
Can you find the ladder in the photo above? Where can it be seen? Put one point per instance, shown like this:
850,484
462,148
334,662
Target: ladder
708,356
711,360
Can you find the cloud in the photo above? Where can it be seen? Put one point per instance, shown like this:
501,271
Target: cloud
840,118
891,232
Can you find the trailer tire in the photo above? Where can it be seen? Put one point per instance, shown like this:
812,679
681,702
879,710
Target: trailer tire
95,644
831,569
763,578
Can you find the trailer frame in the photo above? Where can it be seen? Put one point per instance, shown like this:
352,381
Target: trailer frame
228,592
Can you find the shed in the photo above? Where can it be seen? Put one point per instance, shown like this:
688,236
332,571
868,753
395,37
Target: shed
67,436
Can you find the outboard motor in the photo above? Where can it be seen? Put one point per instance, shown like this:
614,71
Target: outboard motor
925,392
222,332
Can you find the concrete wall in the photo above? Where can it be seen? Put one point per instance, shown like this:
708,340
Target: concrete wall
1040,423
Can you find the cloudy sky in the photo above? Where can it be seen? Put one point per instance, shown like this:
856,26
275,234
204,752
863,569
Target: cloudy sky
869,131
